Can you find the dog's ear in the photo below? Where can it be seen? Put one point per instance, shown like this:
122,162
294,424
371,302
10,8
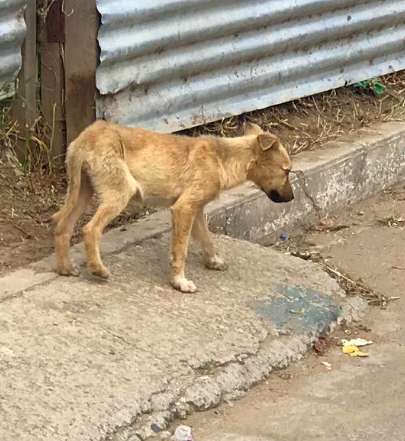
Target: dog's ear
252,129
267,140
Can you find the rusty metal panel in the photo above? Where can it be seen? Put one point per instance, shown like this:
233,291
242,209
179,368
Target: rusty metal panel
12,32
173,64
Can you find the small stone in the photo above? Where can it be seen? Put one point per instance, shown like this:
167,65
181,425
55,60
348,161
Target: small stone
155,428
285,376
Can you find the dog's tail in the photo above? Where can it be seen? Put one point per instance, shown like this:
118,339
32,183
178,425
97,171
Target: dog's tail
74,165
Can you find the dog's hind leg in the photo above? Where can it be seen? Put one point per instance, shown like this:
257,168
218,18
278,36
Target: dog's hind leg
114,194
112,204
65,223
201,234
78,196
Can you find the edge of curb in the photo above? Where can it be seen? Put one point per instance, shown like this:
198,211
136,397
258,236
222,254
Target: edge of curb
233,380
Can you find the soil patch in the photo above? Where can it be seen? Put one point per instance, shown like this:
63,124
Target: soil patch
26,206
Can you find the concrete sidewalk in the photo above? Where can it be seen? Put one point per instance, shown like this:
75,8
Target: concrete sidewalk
83,360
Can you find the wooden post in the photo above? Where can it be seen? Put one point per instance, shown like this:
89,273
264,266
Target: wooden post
81,53
25,106
51,40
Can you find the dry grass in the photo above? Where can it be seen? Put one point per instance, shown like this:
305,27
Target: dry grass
309,123
298,246
8,128
32,141
358,288
303,124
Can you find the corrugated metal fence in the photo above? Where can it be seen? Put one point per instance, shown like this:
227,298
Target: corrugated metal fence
12,31
172,64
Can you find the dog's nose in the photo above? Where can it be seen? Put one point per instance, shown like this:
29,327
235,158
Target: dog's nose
275,196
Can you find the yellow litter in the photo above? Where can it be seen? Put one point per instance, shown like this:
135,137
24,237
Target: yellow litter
354,351
351,347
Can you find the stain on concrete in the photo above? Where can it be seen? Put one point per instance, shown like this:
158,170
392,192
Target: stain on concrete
298,309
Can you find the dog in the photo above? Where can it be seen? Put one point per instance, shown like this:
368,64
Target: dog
180,172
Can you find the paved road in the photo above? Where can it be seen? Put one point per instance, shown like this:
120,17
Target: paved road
359,399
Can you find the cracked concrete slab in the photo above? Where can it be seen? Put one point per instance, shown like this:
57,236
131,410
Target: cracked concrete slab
87,360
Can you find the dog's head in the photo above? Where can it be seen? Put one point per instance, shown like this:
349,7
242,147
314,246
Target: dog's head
271,168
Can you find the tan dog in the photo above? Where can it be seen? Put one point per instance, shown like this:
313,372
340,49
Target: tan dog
182,172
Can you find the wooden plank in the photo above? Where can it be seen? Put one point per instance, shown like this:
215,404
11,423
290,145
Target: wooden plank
51,40
25,105
81,53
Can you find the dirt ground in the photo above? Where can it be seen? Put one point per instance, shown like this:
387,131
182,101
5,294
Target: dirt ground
330,395
28,199
26,206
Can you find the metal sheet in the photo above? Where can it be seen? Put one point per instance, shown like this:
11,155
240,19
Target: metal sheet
12,32
173,64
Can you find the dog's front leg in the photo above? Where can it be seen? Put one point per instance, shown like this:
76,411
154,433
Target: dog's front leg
201,233
183,215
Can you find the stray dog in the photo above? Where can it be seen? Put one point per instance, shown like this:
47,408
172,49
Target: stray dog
184,173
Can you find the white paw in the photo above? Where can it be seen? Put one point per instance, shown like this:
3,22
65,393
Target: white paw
183,285
216,263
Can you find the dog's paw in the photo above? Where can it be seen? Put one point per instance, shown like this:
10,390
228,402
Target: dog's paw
99,271
70,270
216,263
183,285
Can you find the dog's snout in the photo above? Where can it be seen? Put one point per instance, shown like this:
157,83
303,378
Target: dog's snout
278,197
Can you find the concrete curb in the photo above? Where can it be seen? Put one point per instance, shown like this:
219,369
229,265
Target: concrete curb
325,180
